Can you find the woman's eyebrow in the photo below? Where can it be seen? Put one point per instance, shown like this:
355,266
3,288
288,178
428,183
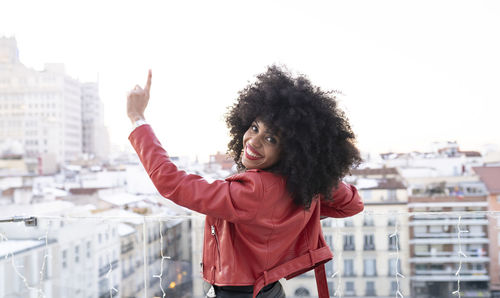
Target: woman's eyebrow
256,122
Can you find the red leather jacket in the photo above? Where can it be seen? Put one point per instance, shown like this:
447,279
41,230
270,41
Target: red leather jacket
254,233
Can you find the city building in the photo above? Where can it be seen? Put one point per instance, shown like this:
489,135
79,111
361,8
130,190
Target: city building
95,139
449,239
375,248
47,116
76,254
490,176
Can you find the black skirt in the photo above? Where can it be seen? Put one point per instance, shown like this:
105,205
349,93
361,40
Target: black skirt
274,290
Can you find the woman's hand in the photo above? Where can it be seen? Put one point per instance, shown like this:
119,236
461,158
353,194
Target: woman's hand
137,100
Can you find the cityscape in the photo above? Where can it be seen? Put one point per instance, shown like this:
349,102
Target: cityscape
78,219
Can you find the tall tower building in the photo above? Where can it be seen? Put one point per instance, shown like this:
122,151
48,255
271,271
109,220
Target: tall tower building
95,138
42,110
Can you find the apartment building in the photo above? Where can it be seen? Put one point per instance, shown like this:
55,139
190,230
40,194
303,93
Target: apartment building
490,176
25,271
448,245
374,249
79,252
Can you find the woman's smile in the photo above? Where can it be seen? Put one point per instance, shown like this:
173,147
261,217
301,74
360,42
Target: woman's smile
261,147
251,153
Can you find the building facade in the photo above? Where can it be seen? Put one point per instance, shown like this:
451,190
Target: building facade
449,239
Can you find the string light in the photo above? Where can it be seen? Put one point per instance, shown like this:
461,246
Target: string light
145,258
16,271
338,239
45,257
398,275
161,262
460,255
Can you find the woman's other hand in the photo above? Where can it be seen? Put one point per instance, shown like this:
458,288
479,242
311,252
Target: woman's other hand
137,100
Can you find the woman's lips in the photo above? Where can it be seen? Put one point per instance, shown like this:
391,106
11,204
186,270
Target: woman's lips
251,153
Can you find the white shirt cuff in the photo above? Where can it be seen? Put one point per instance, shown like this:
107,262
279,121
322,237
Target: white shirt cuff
139,123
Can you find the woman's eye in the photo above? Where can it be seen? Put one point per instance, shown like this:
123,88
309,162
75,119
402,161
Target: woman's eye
271,140
254,128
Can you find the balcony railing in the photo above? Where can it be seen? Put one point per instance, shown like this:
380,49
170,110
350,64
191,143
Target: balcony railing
143,268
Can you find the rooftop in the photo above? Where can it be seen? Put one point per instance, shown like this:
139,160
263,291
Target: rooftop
18,246
490,176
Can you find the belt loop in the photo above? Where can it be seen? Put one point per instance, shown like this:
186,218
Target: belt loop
265,278
311,257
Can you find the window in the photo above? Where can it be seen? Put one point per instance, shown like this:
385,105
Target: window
367,195
100,238
392,219
349,242
64,258
131,262
89,249
391,195
103,286
370,267
331,289
393,265
349,288
348,222
330,270
77,254
329,241
369,244
349,267
394,288
368,220
393,242
370,288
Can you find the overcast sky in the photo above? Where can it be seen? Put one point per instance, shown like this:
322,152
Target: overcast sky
411,72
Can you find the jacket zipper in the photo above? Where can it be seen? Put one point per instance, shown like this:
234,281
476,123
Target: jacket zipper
212,229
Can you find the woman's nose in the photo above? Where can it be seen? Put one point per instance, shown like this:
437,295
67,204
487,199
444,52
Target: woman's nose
256,141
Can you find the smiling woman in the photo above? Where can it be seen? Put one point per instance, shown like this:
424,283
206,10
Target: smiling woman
292,146
315,141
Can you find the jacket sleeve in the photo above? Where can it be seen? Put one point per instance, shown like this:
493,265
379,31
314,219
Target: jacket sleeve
346,202
236,200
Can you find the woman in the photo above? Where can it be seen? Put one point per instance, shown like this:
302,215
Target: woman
292,146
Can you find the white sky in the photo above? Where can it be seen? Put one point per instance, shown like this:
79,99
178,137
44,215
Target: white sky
412,72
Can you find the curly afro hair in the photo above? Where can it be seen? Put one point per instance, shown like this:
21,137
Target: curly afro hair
316,139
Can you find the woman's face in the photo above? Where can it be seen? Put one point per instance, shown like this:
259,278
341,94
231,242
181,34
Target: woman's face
261,148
